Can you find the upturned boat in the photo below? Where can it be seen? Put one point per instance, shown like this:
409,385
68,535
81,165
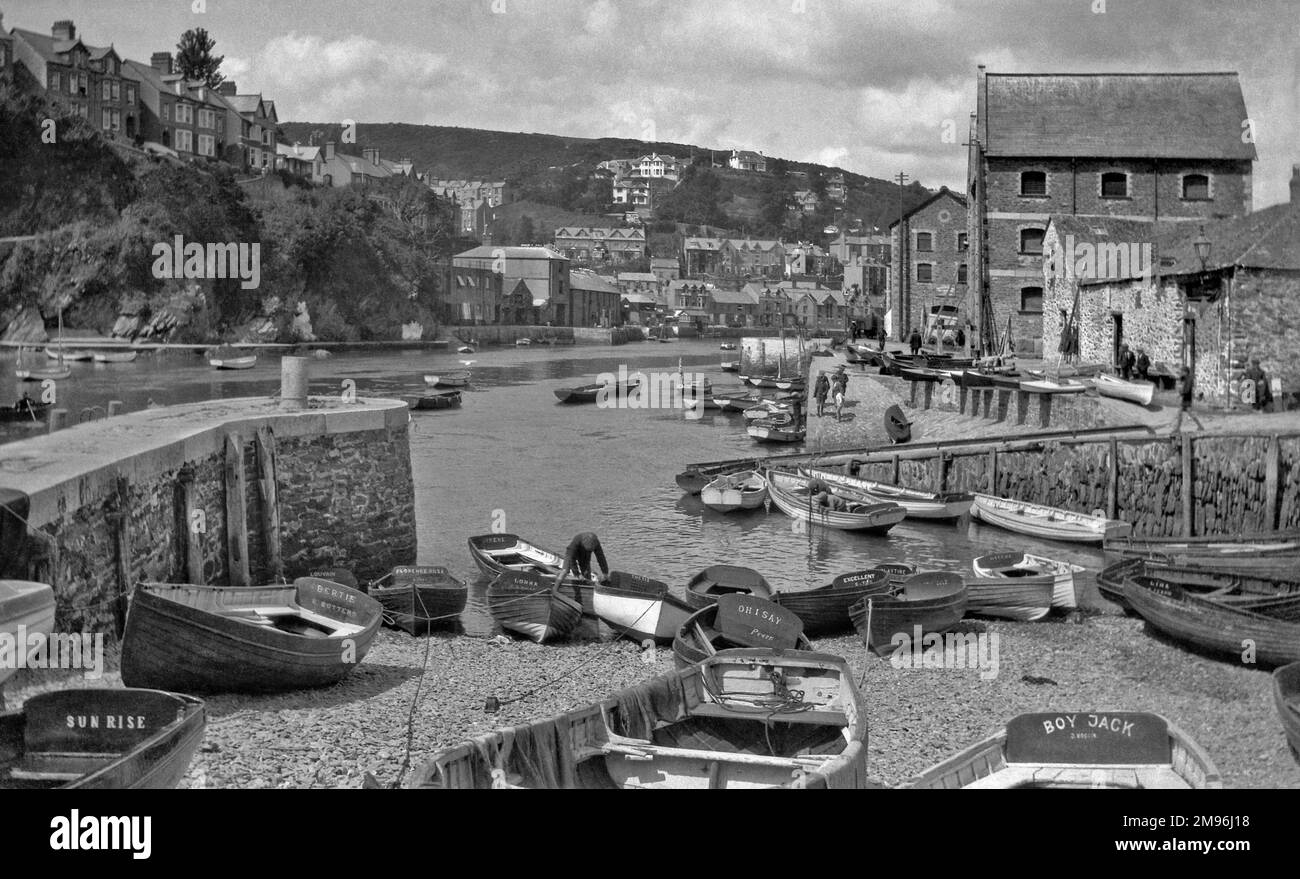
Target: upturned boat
1101,749
715,581
1030,569
795,496
26,609
745,490
100,739
825,609
528,604
190,638
932,602
1117,388
918,504
639,607
1040,520
737,620
495,554
743,718
420,598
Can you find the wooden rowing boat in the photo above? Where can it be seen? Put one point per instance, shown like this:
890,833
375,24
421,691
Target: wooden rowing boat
1220,622
737,401
1113,749
528,604
100,739
420,598
898,572
594,393
743,718
1286,697
1248,545
1049,386
69,355
1032,570
115,356
793,494
693,479
1052,523
228,358
444,400
745,490
191,638
730,366
769,410
929,603
23,412
1025,599
825,609
1134,392
921,374
639,607
1196,578
495,554
457,379
57,373
737,620
26,610
918,504
770,430
708,585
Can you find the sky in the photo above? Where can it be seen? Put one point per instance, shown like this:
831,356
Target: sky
872,87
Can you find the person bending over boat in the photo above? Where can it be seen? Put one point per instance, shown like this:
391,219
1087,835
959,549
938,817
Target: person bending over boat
577,557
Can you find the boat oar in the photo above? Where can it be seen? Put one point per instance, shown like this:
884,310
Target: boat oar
704,641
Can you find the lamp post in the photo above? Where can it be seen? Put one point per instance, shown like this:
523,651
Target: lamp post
1202,246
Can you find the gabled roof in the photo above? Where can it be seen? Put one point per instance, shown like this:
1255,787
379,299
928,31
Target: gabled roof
734,297
580,280
1122,115
753,244
637,278
488,252
297,151
703,244
944,192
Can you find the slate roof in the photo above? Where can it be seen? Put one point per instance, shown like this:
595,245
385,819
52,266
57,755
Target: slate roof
489,252
733,297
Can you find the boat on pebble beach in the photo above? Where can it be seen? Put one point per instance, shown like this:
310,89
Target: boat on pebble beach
528,604
495,554
25,606
928,603
1100,749
1286,697
420,598
1025,599
246,639
639,607
717,580
743,718
792,493
1027,568
825,609
737,620
1052,523
745,490
773,430
1248,545
898,572
918,504
1197,578
43,746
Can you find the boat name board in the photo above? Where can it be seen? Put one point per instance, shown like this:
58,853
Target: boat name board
757,622
332,600
414,573
1116,738
107,721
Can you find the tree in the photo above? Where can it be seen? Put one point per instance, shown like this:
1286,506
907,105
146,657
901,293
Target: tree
194,58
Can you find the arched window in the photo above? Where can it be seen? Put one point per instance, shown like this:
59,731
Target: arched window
1196,187
1114,184
1033,183
1031,241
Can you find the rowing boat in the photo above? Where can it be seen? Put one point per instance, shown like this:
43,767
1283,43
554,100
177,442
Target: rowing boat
1053,523
1286,696
1048,386
457,379
769,410
495,554
717,580
594,393
420,598
929,603
730,366
825,610
24,411
26,610
1197,578
744,718
918,504
115,356
1032,569
528,604
70,355
745,490
1247,545
794,495
737,620
56,373
191,638
443,400
1134,392
769,430
639,607
1112,749
100,739
226,357
898,572
737,401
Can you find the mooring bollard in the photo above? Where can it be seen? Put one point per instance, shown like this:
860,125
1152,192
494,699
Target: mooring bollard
58,419
294,379
114,408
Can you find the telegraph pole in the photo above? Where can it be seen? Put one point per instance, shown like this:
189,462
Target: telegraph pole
902,250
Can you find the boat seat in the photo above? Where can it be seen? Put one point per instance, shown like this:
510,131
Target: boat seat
820,718
1079,775
637,749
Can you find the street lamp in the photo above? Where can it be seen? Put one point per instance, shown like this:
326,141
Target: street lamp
1202,245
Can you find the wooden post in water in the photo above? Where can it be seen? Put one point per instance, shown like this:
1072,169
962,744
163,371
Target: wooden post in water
236,518
1187,485
270,500
1112,481
992,487
58,419
187,528
1271,467
945,461
122,537
896,473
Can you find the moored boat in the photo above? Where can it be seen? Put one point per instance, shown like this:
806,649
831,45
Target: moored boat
442,400
68,355
1197,578
737,620
115,356
1100,749
1286,697
1248,545
528,604
745,490
26,610
226,357
795,496
420,598
54,373
1039,520
730,366
1029,568
24,411
457,379
928,603
918,504
769,430
1051,386
639,607
78,739
1118,388
717,580
825,610
494,554
592,393
192,638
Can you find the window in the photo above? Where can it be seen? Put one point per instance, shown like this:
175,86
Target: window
207,119
1031,241
1033,183
1114,184
1031,299
107,118
1196,187
185,114
56,81
963,242
961,273
924,242
117,120
924,271
83,84
167,112
130,94
207,145
107,91
184,141
117,91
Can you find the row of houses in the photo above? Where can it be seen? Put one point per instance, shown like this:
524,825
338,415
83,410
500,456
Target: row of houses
748,257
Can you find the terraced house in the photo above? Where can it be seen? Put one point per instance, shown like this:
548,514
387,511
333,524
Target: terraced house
257,129
929,266
597,244
86,79
1142,147
751,256
180,114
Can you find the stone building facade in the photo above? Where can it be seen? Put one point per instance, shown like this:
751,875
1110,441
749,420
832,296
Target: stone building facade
929,265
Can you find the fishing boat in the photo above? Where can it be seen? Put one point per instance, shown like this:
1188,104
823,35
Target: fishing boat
717,580
495,554
115,356
1050,386
1052,523
921,374
745,490
794,495
771,430
419,598
1134,392
918,504
1220,622
528,604
24,411
71,355
743,718
1247,545
592,393
825,610
458,379
1286,696
26,609
928,603
1098,749
226,357
1030,569
100,739
191,638
730,366
443,400
639,607
737,620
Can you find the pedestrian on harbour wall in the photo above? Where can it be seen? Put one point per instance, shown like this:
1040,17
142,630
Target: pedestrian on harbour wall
821,389
914,341
839,386
1185,388
577,557
1143,365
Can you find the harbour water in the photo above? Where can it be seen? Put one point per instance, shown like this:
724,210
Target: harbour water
512,458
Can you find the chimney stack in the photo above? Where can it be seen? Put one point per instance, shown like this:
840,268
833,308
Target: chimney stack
329,151
64,30
161,62
371,155
1295,184
227,88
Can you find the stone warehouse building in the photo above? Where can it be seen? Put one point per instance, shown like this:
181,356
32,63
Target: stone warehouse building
529,278
929,267
1140,147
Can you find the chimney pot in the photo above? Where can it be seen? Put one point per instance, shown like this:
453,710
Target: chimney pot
227,88
64,30
162,62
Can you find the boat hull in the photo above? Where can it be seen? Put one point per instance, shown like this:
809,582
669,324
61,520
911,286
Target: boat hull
528,605
939,603
705,587
445,400
825,611
873,518
639,616
1116,388
421,599
1032,569
917,504
1050,523
496,554
25,606
746,490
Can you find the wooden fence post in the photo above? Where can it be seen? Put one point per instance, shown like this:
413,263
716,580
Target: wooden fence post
1271,466
992,487
1187,485
270,500
1112,481
236,517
